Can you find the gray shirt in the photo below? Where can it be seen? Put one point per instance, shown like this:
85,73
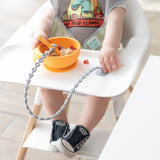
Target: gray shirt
83,17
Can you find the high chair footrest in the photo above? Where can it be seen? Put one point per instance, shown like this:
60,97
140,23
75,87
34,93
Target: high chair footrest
40,136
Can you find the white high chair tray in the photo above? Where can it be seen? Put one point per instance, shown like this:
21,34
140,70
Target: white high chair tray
16,64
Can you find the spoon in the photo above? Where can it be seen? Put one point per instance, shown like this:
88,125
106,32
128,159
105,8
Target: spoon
49,45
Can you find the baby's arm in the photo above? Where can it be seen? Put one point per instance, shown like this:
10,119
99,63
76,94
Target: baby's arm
43,27
108,53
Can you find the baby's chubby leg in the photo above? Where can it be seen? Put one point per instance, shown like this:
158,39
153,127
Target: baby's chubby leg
52,100
93,111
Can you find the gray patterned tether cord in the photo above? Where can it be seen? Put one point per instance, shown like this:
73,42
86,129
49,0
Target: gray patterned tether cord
34,69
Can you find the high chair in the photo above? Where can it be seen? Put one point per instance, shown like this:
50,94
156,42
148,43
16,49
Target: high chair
18,64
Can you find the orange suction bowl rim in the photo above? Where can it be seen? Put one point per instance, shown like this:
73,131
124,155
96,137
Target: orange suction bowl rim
54,38
59,63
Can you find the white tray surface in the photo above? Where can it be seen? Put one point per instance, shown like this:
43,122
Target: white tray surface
16,64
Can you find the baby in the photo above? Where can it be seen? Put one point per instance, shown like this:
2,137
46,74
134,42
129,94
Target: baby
97,25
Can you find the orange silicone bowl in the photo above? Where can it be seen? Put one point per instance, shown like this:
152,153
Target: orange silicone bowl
59,63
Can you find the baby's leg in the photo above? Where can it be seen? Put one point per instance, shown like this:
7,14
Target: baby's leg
93,111
52,100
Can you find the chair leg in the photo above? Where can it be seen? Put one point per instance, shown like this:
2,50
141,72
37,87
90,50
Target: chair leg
30,125
118,103
130,88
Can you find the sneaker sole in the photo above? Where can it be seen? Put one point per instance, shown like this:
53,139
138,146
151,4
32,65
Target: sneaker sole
53,147
63,150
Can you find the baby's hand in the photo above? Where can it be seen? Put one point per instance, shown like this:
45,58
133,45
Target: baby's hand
35,40
108,59
43,27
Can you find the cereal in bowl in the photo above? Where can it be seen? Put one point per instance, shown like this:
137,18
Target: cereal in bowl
64,51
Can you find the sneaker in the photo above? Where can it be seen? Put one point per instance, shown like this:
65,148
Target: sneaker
59,129
72,142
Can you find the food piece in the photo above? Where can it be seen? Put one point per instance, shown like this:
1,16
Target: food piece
64,51
71,47
86,61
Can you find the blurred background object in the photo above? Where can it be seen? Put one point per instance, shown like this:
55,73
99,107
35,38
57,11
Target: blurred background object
150,5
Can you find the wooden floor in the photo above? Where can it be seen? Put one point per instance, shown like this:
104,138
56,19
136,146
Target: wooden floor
13,115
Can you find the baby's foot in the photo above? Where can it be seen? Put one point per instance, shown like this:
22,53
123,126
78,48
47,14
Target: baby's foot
72,142
59,129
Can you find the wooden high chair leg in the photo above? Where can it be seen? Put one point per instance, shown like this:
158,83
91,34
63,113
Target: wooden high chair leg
30,125
130,88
